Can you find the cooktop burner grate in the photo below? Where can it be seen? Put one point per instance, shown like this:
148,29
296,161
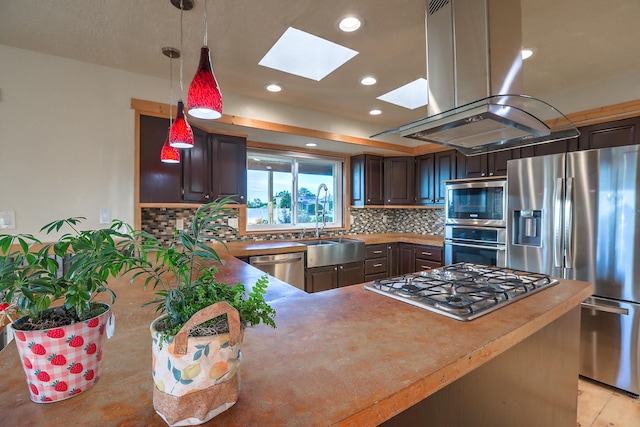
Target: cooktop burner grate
462,291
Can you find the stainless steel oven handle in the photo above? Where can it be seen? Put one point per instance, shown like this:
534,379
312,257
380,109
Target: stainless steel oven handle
497,248
597,307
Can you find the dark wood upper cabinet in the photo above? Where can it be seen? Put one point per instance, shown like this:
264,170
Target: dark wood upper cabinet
196,169
398,180
486,165
610,134
431,171
159,182
445,163
229,160
471,166
425,179
215,167
367,180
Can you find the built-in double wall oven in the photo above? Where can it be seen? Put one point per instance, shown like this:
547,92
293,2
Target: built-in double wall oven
475,222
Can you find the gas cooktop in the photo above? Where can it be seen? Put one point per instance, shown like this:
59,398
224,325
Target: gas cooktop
462,291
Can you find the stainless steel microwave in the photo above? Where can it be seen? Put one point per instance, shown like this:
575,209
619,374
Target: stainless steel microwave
479,203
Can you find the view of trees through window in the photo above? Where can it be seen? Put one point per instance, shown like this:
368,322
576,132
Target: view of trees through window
274,181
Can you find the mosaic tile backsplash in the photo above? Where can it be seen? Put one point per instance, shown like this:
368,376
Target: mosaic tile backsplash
161,223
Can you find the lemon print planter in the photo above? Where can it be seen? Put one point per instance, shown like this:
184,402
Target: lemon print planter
197,378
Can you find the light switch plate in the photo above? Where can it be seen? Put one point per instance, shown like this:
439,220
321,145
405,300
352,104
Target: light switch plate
179,224
233,222
7,220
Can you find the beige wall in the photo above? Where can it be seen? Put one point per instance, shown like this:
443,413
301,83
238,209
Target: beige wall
67,135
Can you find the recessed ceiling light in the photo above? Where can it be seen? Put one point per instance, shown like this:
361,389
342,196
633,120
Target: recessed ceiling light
273,87
412,95
349,24
368,81
306,55
375,112
526,53
311,144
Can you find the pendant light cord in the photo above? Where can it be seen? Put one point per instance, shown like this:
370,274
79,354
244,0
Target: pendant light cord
181,50
206,30
170,90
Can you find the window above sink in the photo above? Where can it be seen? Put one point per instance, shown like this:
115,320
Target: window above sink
282,188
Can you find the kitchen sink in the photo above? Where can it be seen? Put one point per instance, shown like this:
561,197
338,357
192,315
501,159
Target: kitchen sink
319,242
322,252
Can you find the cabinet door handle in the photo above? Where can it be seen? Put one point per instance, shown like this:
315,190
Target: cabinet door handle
377,265
206,196
426,253
368,200
241,197
483,174
335,268
425,267
377,252
490,173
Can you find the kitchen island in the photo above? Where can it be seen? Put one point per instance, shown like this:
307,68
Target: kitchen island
346,357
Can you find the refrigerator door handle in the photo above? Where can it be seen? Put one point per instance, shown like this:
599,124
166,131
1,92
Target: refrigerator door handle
557,224
568,224
597,307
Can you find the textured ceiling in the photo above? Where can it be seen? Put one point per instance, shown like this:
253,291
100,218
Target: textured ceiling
577,42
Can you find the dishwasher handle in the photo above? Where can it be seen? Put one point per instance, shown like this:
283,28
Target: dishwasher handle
277,261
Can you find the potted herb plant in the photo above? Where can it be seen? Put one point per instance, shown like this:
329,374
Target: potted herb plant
197,339
62,329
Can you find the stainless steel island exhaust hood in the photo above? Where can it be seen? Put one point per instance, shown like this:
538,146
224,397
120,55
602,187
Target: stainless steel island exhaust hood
474,71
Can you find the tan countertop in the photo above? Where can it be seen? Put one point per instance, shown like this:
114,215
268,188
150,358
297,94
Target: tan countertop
340,357
272,247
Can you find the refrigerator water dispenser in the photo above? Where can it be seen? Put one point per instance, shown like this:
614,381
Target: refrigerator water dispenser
526,228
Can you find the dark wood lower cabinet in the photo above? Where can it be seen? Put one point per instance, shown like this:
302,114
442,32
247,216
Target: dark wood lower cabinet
321,278
350,274
407,258
415,258
334,276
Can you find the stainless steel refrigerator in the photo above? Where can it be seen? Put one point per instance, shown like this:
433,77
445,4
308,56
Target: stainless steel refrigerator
575,216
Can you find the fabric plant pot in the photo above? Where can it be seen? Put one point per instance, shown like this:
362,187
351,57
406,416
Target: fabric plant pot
197,378
60,363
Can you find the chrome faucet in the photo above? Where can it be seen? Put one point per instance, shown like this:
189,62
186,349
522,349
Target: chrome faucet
324,207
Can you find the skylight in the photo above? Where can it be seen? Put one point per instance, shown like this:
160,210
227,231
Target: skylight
411,96
306,55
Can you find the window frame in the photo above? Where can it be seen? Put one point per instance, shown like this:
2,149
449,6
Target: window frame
338,190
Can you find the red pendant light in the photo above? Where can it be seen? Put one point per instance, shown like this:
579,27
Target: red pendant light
204,99
169,154
180,134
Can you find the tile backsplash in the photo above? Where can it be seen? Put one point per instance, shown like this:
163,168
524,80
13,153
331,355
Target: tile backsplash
161,222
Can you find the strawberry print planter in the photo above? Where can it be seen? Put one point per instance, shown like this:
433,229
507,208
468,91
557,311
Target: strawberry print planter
197,378
61,362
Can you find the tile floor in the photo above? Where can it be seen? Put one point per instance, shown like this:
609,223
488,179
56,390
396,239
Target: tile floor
603,406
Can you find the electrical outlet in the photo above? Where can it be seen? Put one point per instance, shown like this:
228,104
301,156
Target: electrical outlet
7,220
105,216
179,224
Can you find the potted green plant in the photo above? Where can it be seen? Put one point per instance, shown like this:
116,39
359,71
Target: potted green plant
197,339
62,329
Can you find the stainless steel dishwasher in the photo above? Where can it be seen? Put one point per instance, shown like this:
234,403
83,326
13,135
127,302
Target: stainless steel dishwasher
286,267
